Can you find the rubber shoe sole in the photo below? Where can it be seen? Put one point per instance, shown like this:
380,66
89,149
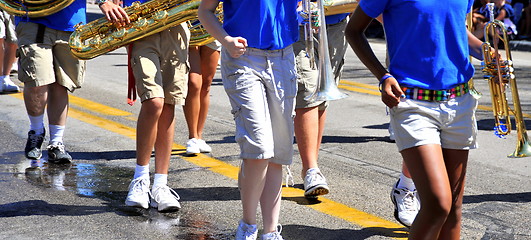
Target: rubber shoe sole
316,191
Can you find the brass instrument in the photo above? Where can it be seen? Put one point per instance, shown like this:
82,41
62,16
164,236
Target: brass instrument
332,7
101,36
198,34
34,8
326,85
500,75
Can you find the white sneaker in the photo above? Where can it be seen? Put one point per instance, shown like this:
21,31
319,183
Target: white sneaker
192,146
9,86
138,195
165,199
246,231
274,235
203,146
315,183
407,205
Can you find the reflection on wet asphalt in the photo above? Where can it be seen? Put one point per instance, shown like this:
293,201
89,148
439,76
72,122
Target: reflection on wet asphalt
103,182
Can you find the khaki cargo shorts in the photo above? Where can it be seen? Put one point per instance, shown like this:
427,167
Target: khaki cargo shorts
44,57
160,65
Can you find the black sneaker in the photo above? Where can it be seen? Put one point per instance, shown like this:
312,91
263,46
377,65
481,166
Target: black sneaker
33,145
57,154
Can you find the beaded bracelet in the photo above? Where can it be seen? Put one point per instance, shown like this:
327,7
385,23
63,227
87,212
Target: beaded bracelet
386,76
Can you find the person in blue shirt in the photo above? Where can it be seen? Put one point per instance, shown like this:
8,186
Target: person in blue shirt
431,108
310,114
48,70
159,66
259,77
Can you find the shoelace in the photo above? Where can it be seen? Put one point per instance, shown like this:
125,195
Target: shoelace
315,176
289,177
408,202
34,139
248,230
167,190
58,146
276,235
140,185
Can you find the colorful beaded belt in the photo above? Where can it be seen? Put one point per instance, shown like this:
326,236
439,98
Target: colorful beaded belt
435,95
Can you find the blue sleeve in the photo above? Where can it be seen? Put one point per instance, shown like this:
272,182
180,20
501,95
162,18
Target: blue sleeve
373,8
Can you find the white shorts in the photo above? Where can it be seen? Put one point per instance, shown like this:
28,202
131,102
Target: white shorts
451,124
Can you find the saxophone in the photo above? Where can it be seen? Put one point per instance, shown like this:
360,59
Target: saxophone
34,8
101,36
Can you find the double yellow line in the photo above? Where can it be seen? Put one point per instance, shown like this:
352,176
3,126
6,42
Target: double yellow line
81,108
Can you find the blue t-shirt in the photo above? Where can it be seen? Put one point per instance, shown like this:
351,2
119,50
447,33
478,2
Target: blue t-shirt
266,24
427,41
64,20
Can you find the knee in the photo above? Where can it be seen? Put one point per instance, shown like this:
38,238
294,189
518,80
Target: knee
439,208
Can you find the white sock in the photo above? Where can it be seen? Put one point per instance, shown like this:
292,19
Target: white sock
406,183
37,123
142,171
56,134
160,180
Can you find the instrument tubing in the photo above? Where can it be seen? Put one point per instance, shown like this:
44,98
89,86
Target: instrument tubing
436,95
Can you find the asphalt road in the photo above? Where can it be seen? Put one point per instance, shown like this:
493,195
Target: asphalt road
85,200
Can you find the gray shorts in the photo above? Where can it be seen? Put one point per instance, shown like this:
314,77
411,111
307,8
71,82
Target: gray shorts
308,77
7,27
261,86
451,124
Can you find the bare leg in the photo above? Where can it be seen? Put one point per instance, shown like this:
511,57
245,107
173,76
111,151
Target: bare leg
209,64
309,127
9,57
164,140
427,167
251,181
456,163
270,199
146,129
35,99
192,105
57,104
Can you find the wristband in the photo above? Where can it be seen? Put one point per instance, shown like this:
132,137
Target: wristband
386,76
100,2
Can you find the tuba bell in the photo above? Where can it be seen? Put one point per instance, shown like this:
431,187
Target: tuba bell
101,36
500,76
34,8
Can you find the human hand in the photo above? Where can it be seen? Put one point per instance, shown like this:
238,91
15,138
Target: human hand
114,13
236,46
391,92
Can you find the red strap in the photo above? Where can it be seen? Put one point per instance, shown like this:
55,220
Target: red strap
131,87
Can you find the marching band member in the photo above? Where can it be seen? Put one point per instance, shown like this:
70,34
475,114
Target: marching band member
432,111
159,64
48,70
310,115
259,76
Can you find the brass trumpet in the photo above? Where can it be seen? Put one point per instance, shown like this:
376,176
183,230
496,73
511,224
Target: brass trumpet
34,8
500,76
